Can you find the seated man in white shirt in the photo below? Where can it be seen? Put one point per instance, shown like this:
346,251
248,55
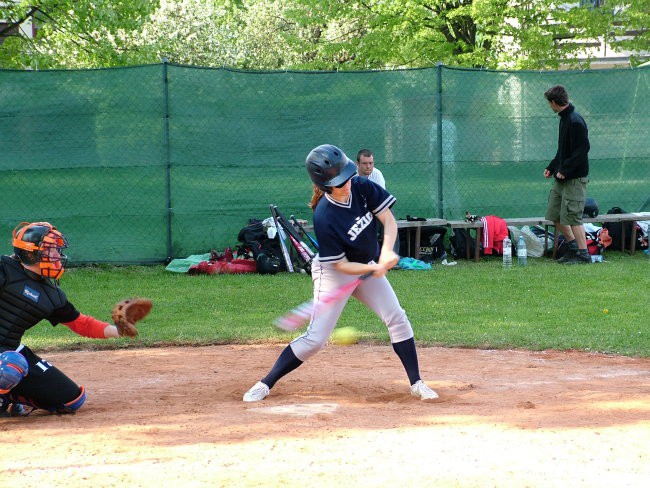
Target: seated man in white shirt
366,167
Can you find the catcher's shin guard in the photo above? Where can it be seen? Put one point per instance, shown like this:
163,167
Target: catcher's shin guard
74,405
69,407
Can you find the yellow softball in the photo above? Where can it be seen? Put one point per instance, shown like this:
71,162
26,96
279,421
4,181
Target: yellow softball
345,336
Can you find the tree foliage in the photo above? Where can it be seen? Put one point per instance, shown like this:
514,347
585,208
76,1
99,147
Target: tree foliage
72,33
319,34
535,34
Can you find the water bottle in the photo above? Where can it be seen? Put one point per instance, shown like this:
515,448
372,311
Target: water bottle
507,252
522,255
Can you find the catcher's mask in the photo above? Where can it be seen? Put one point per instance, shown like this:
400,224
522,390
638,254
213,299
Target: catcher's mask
40,243
328,166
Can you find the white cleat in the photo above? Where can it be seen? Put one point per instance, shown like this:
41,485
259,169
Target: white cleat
258,392
422,391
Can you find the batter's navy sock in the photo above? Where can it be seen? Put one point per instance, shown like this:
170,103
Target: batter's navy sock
285,364
406,352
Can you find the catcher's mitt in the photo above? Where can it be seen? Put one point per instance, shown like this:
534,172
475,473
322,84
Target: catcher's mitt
129,311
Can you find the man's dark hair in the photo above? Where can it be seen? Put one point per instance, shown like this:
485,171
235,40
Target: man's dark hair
365,153
557,94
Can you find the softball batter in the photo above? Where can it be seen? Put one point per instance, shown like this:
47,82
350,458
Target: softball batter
346,210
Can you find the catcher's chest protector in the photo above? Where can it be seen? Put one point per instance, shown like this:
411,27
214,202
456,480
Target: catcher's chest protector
24,301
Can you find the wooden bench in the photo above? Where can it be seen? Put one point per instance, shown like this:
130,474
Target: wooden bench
626,217
415,226
599,219
477,226
541,221
611,218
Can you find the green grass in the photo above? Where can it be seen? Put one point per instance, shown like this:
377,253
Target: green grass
476,305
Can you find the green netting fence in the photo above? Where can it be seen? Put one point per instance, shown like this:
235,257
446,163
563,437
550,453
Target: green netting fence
147,163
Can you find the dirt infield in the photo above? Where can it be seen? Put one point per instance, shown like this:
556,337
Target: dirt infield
174,417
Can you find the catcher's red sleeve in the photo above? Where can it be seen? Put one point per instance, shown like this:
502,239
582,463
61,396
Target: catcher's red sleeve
88,326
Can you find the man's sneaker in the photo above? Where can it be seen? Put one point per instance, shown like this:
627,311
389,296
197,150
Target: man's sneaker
422,391
572,250
259,392
570,254
579,258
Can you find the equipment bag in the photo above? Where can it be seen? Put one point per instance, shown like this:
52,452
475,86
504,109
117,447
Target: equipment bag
616,230
256,244
458,242
432,243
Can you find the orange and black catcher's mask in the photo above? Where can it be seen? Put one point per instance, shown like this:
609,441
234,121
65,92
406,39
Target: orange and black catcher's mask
40,243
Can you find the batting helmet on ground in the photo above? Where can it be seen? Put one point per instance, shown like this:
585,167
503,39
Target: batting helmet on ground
591,208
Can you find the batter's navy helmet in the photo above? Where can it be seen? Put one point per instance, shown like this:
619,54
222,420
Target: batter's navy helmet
328,166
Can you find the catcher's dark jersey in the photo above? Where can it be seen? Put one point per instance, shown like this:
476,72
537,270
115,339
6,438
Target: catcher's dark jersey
25,300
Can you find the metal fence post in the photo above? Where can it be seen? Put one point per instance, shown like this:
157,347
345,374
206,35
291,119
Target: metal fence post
168,165
439,137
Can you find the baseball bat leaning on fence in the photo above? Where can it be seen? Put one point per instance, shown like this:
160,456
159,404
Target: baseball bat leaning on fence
302,229
301,246
302,314
283,245
306,256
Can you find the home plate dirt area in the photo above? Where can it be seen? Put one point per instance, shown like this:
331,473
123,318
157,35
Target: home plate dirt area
174,417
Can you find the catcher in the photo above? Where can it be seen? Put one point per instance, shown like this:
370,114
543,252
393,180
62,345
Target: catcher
29,293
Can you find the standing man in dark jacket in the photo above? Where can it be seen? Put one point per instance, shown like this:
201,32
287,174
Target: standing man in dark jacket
570,168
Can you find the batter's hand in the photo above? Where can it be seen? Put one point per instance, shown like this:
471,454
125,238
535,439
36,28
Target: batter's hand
387,259
377,270
547,173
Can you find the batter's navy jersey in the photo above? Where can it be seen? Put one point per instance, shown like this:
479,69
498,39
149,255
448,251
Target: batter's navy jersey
349,230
